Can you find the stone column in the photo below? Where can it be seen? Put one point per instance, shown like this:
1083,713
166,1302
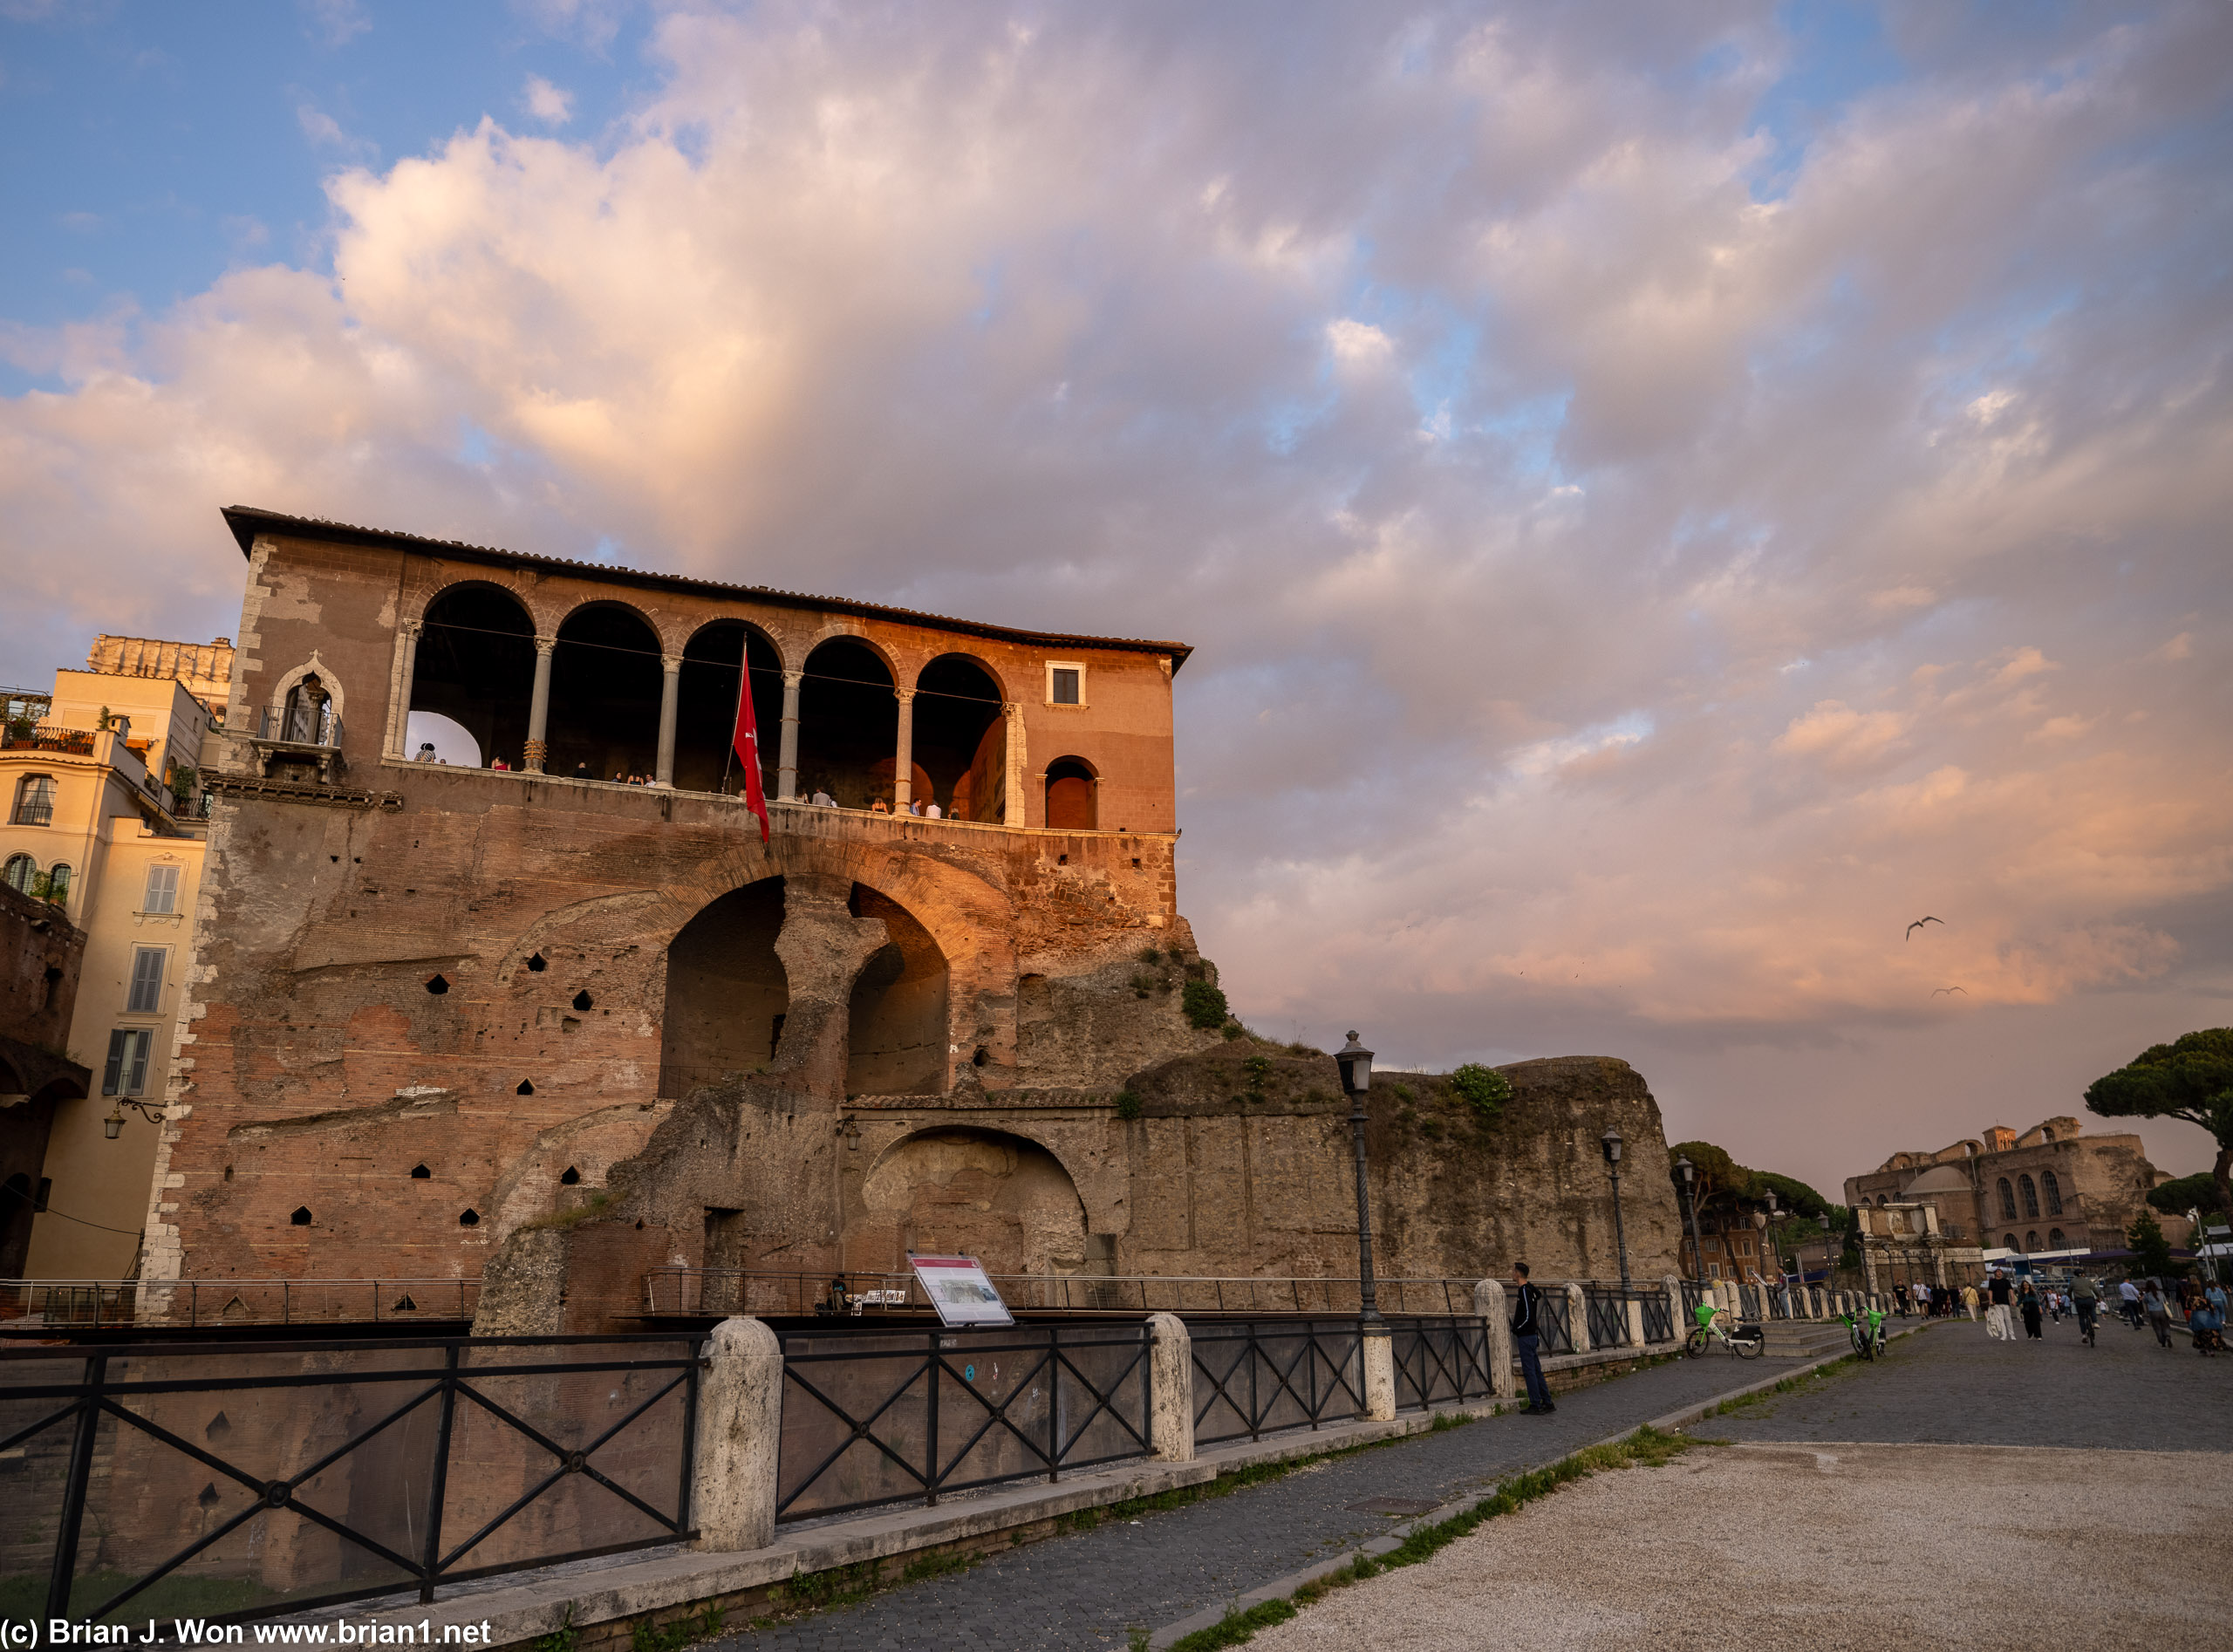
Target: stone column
1171,1388
903,764
1578,1317
1379,1351
670,700
1636,1322
406,667
740,1430
1489,1303
1674,1314
1015,808
538,710
787,757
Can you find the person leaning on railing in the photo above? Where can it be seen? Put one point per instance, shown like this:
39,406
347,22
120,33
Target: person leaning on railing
1528,1338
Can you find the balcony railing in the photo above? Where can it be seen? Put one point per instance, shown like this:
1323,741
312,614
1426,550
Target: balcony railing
67,742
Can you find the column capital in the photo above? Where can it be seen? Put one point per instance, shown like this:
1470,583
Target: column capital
544,644
793,678
670,664
1011,709
412,627
906,696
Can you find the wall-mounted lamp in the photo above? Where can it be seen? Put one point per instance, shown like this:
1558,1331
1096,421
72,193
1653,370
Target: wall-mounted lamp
851,1130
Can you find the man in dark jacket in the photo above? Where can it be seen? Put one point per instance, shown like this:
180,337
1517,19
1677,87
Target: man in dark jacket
1527,1337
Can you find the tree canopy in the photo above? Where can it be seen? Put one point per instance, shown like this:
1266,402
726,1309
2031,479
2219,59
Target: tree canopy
2195,1193
2190,1078
1724,1185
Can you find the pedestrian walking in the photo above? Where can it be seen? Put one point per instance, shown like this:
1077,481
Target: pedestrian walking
2129,1302
2159,1313
1969,1301
2030,1304
2083,1299
1528,1338
2000,1319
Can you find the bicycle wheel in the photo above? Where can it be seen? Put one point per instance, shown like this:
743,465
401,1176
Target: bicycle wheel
1748,1347
1695,1344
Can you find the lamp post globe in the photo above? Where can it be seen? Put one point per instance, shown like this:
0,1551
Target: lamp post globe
1355,1063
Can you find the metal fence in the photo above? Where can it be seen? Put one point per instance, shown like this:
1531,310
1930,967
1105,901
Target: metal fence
1658,1316
209,1304
1254,1377
1607,1309
695,1292
228,1480
1438,1360
877,1416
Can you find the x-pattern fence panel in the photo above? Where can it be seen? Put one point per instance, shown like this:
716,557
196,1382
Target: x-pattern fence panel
238,1481
1609,1315
1254,1377
1438,1360
878,1416
1554,1321
1658,1320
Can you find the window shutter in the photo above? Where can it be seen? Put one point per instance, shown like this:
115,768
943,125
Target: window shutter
136,1080
147,996
114,1071
162,889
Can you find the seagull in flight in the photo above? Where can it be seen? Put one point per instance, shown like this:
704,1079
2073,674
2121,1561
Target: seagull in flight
1962,990
1919,922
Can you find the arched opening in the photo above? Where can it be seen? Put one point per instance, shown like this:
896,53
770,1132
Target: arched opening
2007,1200
725,990
848,724
2055,1239
306,718
961,739
896,1026
606,683
2032,1241
449,741
1004,1201
2008,1242
2030,1196
2053,1190
705,722
20,871
1072,800
475,669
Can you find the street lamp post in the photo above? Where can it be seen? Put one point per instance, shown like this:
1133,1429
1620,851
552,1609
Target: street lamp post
1355,1063
1612,1144
1690,1175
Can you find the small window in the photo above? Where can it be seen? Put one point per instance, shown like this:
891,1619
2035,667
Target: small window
34,800
583,1001
2055,1241
21,869
1065,682
57,882
146,995
162,890
2008,1242
419,1173
125,1071
302,1216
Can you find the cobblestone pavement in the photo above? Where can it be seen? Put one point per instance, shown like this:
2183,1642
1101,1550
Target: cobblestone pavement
1957,1386
1085,1590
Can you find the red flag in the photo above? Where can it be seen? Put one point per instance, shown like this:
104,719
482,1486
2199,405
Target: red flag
747,741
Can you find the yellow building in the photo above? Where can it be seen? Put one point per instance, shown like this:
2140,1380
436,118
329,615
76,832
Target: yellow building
103,819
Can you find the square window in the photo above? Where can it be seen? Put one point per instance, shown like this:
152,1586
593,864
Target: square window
145,997
1065,682
162,890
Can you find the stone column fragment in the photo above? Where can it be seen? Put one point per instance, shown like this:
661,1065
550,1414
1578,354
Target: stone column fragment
1171,1387
1378,1349
740,1430
903,762
1012,801
1489,1303
406,667
1578,1317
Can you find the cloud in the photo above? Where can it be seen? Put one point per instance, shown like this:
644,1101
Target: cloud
550,105
336,22
1081,318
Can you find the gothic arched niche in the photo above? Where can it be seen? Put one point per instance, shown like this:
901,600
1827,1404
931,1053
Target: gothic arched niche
1000,1198
727,990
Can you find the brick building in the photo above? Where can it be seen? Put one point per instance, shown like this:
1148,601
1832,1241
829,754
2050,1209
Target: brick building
446,1013
2050,1189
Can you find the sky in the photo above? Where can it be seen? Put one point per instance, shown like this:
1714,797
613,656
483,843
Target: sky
1664,496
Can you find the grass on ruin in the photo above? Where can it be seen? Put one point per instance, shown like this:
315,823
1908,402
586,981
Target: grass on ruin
1646,1448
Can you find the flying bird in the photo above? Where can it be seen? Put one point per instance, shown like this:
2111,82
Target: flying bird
1919,922
1962,990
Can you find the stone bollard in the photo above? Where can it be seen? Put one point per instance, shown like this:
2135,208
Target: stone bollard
1378,1349
1578,1318
1170,1382
1489,1303
1674,1314
1636,1322
740,1428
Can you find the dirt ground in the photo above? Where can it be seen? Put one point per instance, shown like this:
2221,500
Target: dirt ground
1798,1547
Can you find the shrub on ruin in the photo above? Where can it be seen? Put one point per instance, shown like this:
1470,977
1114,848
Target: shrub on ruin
1128,1104
1485,1089
1205,1005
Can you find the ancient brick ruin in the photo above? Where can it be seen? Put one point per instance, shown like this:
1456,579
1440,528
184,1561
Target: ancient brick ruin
450,1015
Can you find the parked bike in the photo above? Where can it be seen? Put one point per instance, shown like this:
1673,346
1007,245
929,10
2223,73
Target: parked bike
1746,1339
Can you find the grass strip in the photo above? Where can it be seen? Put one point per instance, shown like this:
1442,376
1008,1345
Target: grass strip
1806,1381
1648,1447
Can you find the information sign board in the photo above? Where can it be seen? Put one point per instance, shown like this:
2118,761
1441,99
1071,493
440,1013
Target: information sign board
959,1289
